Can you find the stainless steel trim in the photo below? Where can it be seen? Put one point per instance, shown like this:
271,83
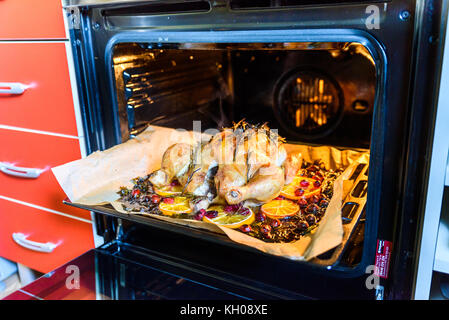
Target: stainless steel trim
81,3
436,181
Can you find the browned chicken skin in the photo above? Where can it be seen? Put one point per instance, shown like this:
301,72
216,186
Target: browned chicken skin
175,163
291,166
252,165
264,186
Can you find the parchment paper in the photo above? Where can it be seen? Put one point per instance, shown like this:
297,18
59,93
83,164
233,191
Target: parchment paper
97,178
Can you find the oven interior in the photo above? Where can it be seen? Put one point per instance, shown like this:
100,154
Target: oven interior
317,93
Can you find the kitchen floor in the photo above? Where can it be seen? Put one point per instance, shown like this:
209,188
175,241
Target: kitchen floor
14,276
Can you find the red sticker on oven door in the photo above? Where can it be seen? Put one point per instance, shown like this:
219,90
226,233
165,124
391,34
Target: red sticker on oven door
383,253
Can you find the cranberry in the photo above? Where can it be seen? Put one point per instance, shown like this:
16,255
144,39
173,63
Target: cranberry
279,198
302,225
311,219
304,183
174,183
313,168
268,235
135,193
275,223
229,209
155,198
261,217
312,208
211,214
318,176
244,211
302,202
200,214
299,192
245,228
317,184
324,203
169,200
314,199
265,228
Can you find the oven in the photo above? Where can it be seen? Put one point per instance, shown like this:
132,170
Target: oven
358,75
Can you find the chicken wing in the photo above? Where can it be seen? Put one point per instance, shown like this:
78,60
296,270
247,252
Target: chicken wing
175,164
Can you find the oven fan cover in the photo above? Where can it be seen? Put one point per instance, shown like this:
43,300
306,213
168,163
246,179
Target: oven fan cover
308,103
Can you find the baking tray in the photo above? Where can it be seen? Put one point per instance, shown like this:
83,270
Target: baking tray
352,209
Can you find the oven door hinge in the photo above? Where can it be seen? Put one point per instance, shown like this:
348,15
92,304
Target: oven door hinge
119,230
73,18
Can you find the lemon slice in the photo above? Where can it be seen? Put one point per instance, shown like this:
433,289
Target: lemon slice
279,209
179,205
289,190
232,221
169,191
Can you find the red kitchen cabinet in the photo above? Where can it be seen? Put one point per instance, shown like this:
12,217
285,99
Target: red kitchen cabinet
38,130
31,19
25,154
36,230
41,71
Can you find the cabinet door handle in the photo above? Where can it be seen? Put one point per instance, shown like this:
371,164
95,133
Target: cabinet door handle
12,170
12,87
21,240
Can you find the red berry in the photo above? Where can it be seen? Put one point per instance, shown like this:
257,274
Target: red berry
155,198
174,183
279,198
324,203
136,193
200,214
229,209
265,228
313,168
312,208
211,214
299,192
318,176
314,199
275,223
261,217
317,184
302,202
169,200
311,219
244,211
302,225
245,228
304,183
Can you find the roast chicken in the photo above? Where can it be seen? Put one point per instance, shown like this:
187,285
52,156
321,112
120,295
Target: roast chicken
243,163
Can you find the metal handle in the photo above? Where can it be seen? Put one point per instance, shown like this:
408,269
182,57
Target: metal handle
22,240
12,87
12,170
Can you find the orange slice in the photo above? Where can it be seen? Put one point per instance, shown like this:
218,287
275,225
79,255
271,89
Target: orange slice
288,191
179,205
169,191
279,209
232,221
